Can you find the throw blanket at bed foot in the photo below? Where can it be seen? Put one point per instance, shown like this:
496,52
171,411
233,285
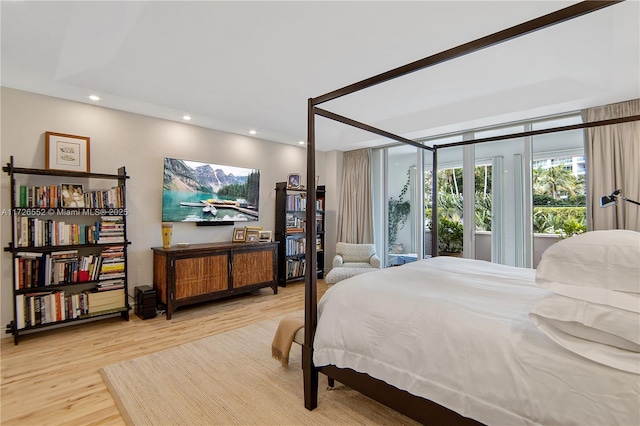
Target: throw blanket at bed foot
284,336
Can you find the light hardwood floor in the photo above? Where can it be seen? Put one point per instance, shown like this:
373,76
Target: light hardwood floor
51,377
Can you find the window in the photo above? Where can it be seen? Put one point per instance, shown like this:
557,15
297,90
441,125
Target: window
516,184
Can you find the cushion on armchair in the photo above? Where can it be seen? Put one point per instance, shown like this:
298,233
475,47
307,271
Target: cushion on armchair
356,256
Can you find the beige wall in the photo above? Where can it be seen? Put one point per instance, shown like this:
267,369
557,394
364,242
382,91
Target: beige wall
140,144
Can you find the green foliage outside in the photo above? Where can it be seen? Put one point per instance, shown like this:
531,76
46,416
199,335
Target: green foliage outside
558,200
557,182
548,200
483,212
449,235
399,210
565,221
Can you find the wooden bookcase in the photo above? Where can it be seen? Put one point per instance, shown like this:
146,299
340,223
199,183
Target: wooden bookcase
290,232
202,272
69,263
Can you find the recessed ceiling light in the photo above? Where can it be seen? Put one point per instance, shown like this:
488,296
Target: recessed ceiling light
94,97
301,142
253,132
186,117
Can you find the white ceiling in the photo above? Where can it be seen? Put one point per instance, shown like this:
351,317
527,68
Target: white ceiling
239,65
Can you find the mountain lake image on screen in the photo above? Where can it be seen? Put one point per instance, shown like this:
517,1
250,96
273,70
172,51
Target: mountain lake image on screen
201,192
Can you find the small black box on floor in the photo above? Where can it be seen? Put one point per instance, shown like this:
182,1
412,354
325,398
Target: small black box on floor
145,302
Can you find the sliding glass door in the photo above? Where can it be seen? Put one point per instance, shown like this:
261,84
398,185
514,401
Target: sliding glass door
558,183
500,198
404,205
503,201
450,217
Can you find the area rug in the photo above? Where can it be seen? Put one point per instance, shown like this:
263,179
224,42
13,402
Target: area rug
231,379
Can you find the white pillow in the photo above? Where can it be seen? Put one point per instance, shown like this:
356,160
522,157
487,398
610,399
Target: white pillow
601,333
598,266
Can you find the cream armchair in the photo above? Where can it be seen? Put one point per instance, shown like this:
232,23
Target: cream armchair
356,256
352,259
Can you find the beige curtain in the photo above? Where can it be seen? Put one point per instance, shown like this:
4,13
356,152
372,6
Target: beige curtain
613,162
355,219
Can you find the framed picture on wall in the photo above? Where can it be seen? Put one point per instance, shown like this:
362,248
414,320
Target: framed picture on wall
66,152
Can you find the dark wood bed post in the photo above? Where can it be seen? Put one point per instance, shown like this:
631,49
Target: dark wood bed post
310,372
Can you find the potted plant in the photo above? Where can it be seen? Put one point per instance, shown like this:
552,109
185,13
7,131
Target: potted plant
398,214
450,235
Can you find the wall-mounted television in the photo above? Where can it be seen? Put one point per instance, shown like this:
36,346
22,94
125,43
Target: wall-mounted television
209,193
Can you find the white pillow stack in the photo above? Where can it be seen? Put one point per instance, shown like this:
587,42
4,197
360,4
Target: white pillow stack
595,309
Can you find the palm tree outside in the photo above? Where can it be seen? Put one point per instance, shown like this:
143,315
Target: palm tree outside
559,199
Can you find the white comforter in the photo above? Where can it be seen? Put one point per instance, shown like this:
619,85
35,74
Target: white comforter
457,332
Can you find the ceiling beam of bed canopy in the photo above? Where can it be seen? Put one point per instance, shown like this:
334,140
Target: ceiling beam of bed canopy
543,131
310,371
354,123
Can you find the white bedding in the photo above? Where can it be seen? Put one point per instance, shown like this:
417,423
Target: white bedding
457,332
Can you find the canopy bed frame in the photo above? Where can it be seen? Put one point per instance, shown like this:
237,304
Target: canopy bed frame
418,408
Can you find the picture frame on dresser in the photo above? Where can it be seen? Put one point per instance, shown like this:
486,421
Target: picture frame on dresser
67,152
252,236
239,235
265,236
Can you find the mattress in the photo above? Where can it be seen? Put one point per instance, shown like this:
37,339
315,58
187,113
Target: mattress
457,332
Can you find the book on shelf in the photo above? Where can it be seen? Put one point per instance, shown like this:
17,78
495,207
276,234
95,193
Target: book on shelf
38,308
296,268
26,265
108,198
294,221
111,229
105,300
20,312
295,246
38,196
42,307
116,219
296,202
52,196
107,285
294,230
111,275
112,265
65,267
36,232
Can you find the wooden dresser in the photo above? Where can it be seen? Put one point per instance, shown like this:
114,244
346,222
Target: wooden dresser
202,272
